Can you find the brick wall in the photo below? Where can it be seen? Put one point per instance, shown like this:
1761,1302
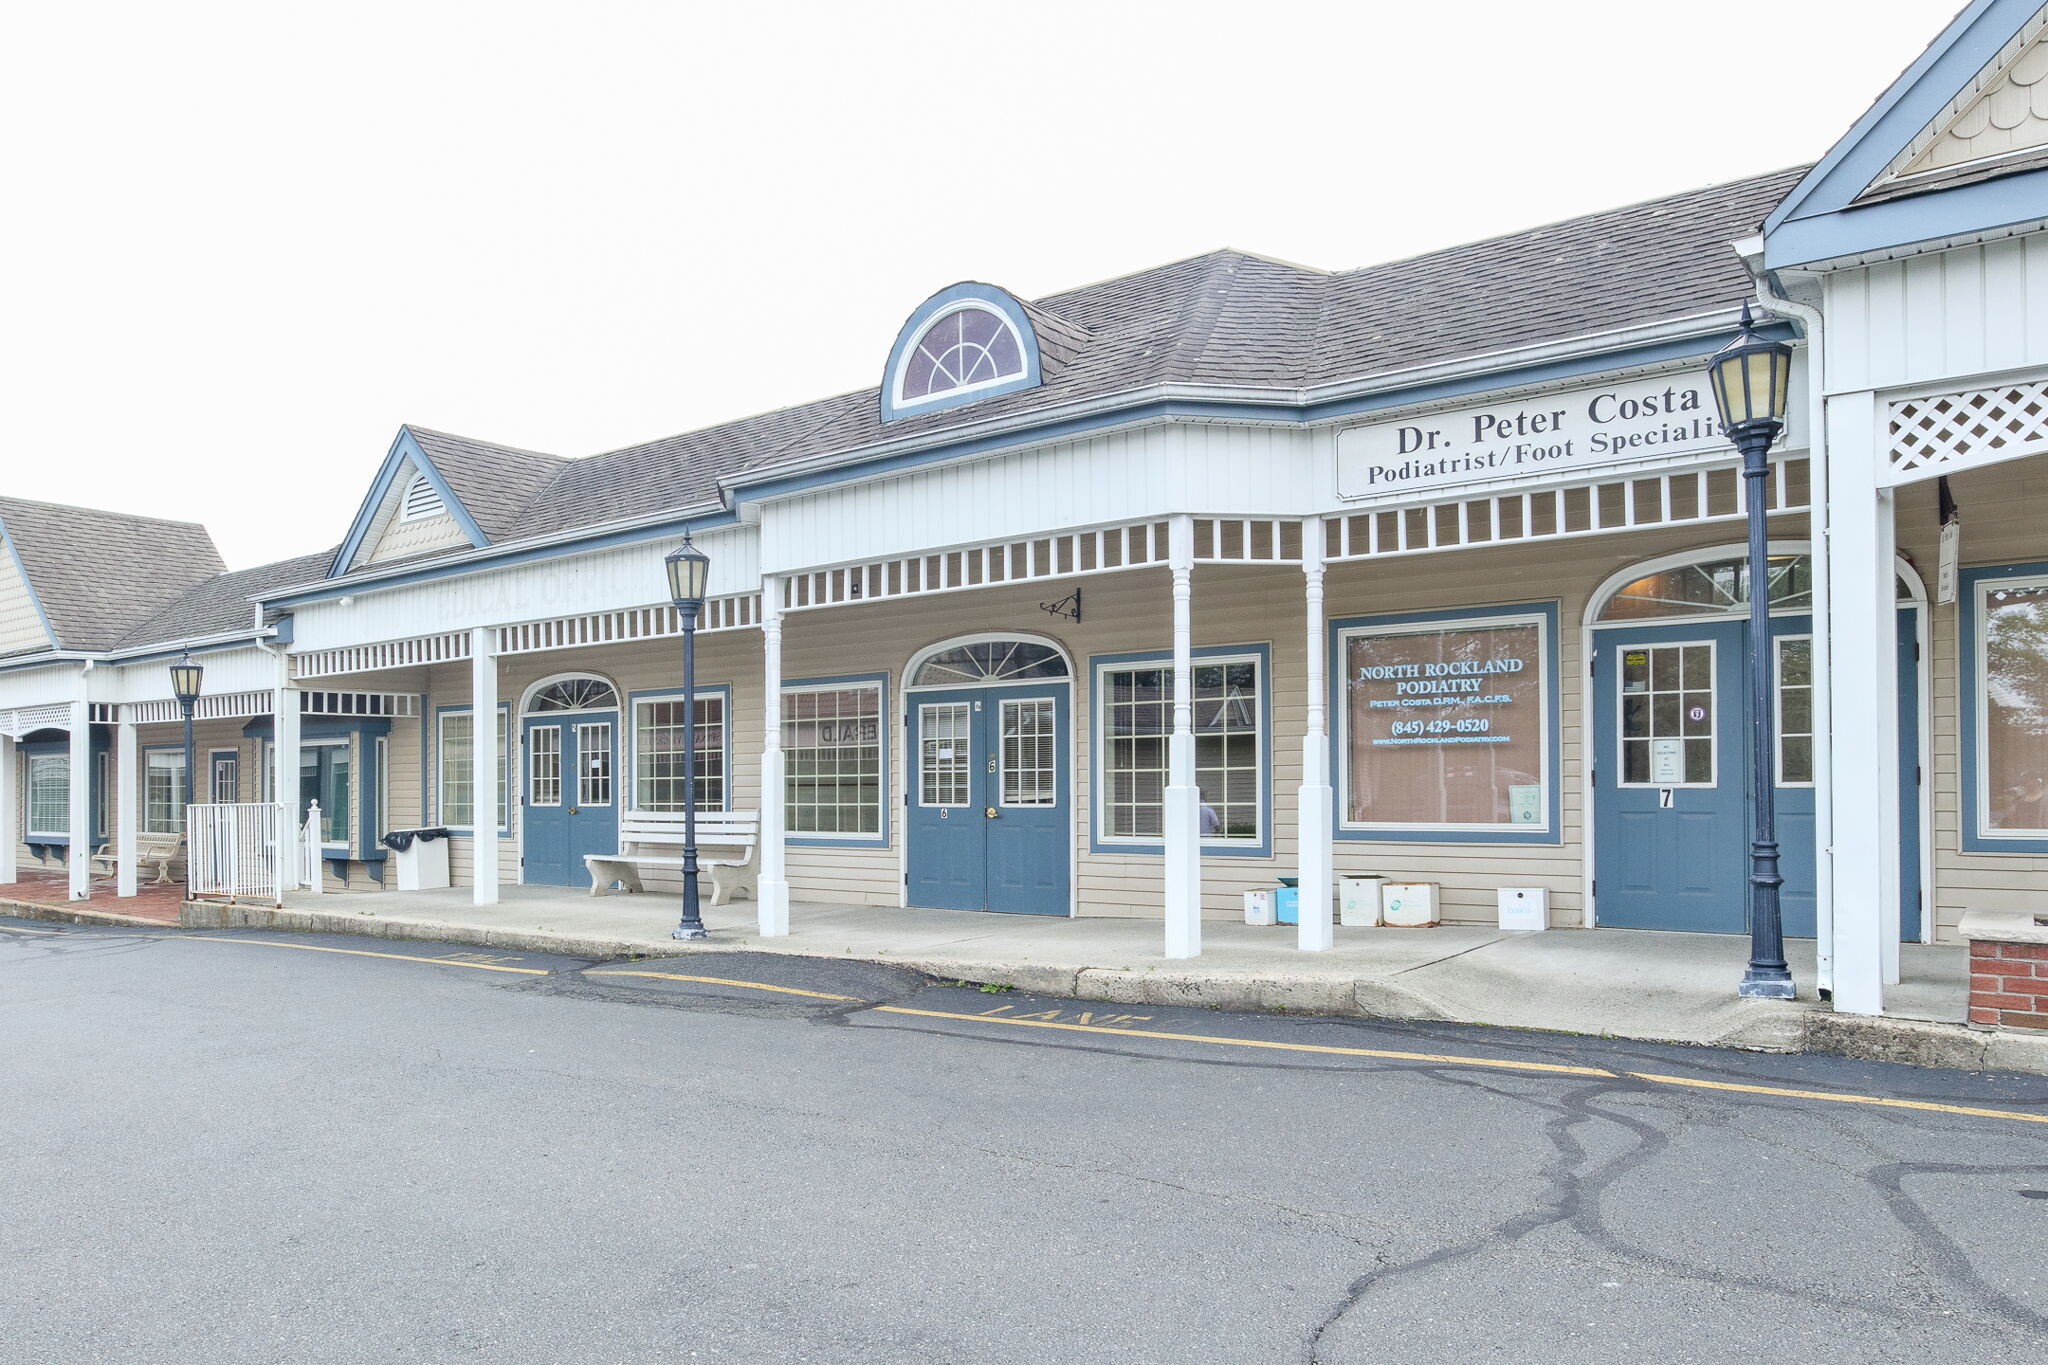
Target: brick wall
2009,984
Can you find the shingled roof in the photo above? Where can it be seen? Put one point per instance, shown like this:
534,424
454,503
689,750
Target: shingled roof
494,483
97,574
221,604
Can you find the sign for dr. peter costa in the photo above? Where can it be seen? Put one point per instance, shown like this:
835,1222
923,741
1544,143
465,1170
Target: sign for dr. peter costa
1546,437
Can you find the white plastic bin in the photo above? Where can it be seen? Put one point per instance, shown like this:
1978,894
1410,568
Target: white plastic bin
1409,905
422,865
1358,901
1524,909
1259,907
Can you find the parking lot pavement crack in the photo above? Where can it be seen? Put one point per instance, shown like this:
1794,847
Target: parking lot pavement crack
1940,1253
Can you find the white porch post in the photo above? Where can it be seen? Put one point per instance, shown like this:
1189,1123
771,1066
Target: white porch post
1183,811
483,758
771,891
1863,697
284,771
126,811
1313,851
80,860
10,808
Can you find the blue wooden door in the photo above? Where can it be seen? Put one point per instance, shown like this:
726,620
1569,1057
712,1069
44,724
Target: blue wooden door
989,805
570,800
1647,865
1670,776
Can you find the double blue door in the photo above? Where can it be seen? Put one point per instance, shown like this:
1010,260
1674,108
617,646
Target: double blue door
1672,755
569,800
988,800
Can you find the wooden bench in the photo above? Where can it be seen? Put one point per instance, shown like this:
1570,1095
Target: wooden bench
725,849
161,850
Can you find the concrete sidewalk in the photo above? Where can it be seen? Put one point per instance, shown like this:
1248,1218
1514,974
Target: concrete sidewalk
1615,982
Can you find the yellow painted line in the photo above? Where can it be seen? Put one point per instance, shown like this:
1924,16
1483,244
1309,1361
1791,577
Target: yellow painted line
1552,1067
1841,1097
353,952
728,981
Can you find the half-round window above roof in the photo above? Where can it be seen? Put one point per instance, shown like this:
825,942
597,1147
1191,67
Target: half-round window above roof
969,348
963,344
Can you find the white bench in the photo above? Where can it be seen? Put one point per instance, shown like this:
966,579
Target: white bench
725,848
159,849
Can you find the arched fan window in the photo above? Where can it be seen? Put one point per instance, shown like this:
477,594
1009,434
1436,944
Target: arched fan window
989,661
575,694
972,347
1716,587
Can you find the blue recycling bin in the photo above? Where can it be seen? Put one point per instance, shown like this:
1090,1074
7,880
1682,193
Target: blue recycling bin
1287,901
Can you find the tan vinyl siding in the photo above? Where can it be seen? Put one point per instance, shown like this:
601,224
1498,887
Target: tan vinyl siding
21,625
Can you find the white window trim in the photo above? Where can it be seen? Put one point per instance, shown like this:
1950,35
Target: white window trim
337,742
29,831
441,767
1778,643
924,708
1986,832
1099,695
149,761
902,371
1713,750
611,776
1546,717
213,757
880,836
629,744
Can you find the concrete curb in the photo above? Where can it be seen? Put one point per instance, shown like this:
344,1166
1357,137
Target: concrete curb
1790,1026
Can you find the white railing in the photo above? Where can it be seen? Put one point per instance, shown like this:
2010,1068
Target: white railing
233,849
310,851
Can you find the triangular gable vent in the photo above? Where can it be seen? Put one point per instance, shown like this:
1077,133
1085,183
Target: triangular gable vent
2002,112
422,500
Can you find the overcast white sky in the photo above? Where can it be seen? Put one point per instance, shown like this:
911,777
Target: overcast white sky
244,242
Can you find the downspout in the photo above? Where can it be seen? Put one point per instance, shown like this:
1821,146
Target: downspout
1823,728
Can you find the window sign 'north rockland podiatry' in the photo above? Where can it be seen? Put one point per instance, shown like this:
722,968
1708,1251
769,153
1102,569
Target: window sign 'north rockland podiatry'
1547,437
1445,725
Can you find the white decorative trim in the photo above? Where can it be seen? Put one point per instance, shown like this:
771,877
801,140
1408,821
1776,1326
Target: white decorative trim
1944,433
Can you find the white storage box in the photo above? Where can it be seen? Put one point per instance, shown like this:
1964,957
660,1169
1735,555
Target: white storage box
1260,907
1408,905
1524,909
1358,901
423,864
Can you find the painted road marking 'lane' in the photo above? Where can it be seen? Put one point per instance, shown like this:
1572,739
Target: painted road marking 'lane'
728,981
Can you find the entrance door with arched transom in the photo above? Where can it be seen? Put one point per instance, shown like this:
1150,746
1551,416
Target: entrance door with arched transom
568,799
989,821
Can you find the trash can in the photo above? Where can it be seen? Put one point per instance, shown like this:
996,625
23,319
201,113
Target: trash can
419,857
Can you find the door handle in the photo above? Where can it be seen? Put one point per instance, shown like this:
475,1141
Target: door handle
572,810
992,813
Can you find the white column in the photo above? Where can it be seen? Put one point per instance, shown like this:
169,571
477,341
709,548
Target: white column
1886,684
284,772
1312,839
1183,800
483,752
81,801
772,889
126,810
1863,698
10,808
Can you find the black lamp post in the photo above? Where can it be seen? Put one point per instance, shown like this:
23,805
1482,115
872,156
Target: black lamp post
1750,378
689,569
185,676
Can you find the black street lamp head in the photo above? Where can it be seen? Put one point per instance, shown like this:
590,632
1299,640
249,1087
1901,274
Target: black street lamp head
185,677
689,573
1751,379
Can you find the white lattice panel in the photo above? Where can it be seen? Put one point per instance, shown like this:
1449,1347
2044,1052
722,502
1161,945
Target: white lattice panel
23,720
1948,432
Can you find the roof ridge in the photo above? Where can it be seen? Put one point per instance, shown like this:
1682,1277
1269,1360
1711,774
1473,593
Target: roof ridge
1536,228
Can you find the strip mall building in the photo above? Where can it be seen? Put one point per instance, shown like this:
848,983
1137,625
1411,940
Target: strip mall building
1448,552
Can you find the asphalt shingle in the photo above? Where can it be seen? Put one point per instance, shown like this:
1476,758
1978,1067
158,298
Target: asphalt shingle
97,574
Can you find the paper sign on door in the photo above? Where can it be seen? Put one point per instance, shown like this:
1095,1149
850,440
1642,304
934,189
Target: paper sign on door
1667,761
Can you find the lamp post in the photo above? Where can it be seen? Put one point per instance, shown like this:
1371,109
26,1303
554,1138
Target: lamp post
689,569
1750,378
185,676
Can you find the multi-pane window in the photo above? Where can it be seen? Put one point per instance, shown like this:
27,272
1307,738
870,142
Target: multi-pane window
968,348
944,745
324,776
594,763
2012,697
1667,715
544,765
227,778
458,791
1137,720
49,794
163,792
832,755
1795,709
658,752
1030,761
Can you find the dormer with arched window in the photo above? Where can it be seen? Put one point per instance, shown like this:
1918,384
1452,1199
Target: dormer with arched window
961,345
